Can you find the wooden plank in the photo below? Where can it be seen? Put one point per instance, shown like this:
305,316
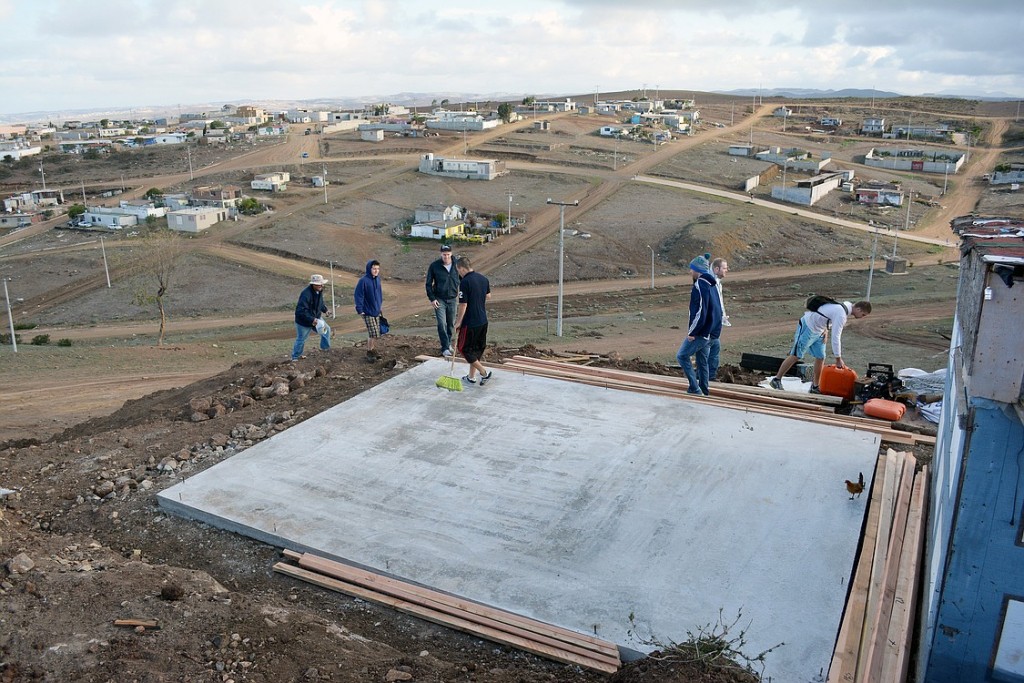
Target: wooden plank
844,658
665,381
450,621
138,623
890,485
446,602
896,661
887,434
879,626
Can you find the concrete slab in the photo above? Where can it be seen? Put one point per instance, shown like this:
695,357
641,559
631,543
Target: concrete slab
568,503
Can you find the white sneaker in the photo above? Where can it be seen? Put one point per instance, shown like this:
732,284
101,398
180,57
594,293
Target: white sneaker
447,353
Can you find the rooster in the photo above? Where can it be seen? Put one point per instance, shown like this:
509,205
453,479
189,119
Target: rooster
855,487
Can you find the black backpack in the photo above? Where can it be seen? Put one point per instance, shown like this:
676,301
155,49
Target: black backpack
817,301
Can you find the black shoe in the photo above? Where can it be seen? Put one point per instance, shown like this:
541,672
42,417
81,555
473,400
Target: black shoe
484,379
466,378
776,384
814,390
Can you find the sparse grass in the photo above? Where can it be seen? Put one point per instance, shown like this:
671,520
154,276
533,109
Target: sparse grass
714,645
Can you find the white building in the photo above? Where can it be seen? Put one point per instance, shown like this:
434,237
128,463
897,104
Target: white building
18,150
873,126
111,219
274,182
142,209
470,169
195,219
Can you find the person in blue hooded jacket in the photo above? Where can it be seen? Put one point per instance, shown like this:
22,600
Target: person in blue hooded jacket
369,300
705,324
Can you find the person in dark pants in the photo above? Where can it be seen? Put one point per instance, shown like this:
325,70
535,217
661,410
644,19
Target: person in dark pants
309,316
471,321
705,321
443,292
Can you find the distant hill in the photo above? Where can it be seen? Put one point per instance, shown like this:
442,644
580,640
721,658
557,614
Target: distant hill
150,111
810,93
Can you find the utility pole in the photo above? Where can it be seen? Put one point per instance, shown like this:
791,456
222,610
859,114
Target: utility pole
42,174
652,265
189,150
10,316
105,269
896,232
561,257
334,310
508,218
871,270
325,184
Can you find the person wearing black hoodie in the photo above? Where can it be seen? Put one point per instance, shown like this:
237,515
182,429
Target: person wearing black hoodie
705,323
369,300
443,292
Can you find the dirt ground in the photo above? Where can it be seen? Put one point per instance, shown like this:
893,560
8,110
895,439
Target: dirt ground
84,545
92,429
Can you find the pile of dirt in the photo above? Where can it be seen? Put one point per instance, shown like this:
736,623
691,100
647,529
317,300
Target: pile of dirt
83,544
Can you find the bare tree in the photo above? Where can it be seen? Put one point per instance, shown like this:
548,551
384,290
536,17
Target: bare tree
161,254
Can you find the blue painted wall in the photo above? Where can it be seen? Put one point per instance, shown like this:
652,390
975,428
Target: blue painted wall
986,564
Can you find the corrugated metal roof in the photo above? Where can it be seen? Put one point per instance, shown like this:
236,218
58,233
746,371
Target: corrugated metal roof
995,239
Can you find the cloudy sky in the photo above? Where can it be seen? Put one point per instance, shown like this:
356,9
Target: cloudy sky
62,55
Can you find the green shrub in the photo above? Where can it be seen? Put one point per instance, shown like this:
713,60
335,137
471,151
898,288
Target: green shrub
24,326
40,340
64,342
6,338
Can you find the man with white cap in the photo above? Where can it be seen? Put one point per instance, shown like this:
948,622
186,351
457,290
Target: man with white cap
810,335
309,316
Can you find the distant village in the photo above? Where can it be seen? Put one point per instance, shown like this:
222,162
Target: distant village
646,120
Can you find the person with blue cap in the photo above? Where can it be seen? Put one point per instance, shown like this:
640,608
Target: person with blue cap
705,323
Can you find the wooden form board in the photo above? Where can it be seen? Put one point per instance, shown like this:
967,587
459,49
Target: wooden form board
507,628
875,634
671,387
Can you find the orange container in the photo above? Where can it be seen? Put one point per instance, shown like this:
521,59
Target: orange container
884,410
836,382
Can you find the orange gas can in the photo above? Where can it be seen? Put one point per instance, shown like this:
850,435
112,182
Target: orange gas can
836,382
884,410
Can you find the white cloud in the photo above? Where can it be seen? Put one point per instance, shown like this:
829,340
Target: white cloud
64,54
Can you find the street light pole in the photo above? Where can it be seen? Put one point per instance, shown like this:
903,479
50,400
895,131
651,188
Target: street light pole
896,232
508,218
871,270
10,317
42,174
106,270
652,265
561,257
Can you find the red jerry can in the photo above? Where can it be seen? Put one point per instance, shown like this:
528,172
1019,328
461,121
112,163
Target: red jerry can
884,410
838,382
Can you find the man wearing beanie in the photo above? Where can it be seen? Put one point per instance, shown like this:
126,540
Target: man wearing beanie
705,322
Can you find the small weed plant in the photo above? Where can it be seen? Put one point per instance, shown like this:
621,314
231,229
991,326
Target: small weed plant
721,644
64,342
40,340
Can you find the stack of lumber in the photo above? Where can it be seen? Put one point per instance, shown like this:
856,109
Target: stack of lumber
807,407
490,623
877,626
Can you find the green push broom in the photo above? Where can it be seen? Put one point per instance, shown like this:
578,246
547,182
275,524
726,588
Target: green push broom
449,381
